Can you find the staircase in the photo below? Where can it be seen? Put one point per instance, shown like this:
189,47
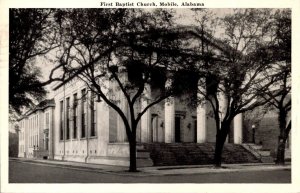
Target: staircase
288,155
264,155
163,154
143,156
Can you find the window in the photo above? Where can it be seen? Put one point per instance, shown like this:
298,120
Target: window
93,115
75,116
37,123
46,141
31,144
31,129
61,120
47,120
83,113
68,118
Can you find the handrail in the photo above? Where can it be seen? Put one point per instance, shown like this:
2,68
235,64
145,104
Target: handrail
253,151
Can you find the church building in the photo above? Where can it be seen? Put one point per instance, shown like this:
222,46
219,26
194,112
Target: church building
76,125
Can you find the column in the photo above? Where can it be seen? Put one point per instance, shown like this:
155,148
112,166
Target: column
51,133
170,120
146,118
223,107
121,130
103,121
169,115
201,113
201,123
238,129
26,136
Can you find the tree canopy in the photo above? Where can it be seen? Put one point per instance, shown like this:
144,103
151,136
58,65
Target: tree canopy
236,83
132,50
31,34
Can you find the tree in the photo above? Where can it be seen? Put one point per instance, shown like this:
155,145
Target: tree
129,49
280,95
236,81
31,34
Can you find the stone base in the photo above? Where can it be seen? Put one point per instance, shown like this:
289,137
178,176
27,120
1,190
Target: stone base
120,161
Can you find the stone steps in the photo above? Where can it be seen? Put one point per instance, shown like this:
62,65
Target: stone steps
143,156
194,154
288,154
264,155
267,159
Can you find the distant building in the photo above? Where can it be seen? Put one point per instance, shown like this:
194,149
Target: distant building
34,131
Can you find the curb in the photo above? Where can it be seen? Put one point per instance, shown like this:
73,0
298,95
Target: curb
167,170
86,168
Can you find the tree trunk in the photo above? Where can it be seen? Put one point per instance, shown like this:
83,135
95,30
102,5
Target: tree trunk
282,138
280,151
220,140
132,149
218,152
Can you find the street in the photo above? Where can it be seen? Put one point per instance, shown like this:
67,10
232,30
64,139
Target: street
26,172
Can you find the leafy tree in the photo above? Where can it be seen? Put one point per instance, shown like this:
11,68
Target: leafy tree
236,81
279,53
129,49
31,34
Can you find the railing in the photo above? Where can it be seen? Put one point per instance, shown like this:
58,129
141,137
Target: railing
253,151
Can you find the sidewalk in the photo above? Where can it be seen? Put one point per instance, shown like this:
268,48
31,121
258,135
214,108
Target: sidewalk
204,169
162,170
70,164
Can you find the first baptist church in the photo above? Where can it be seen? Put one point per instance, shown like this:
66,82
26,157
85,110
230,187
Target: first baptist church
74,125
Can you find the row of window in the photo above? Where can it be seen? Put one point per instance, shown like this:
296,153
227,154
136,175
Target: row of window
47,122
69,116
34,141
33,131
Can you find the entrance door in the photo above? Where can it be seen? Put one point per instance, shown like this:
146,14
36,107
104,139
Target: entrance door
177,129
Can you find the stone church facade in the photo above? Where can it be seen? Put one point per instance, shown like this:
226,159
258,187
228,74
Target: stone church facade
77,126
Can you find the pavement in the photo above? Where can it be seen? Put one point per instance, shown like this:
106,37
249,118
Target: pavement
158,171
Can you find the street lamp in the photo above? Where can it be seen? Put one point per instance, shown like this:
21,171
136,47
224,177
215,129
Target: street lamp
253,133
98,98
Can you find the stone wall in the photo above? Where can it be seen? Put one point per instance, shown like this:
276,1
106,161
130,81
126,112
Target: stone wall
266,129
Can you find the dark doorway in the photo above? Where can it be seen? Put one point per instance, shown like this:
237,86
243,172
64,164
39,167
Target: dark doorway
177,129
